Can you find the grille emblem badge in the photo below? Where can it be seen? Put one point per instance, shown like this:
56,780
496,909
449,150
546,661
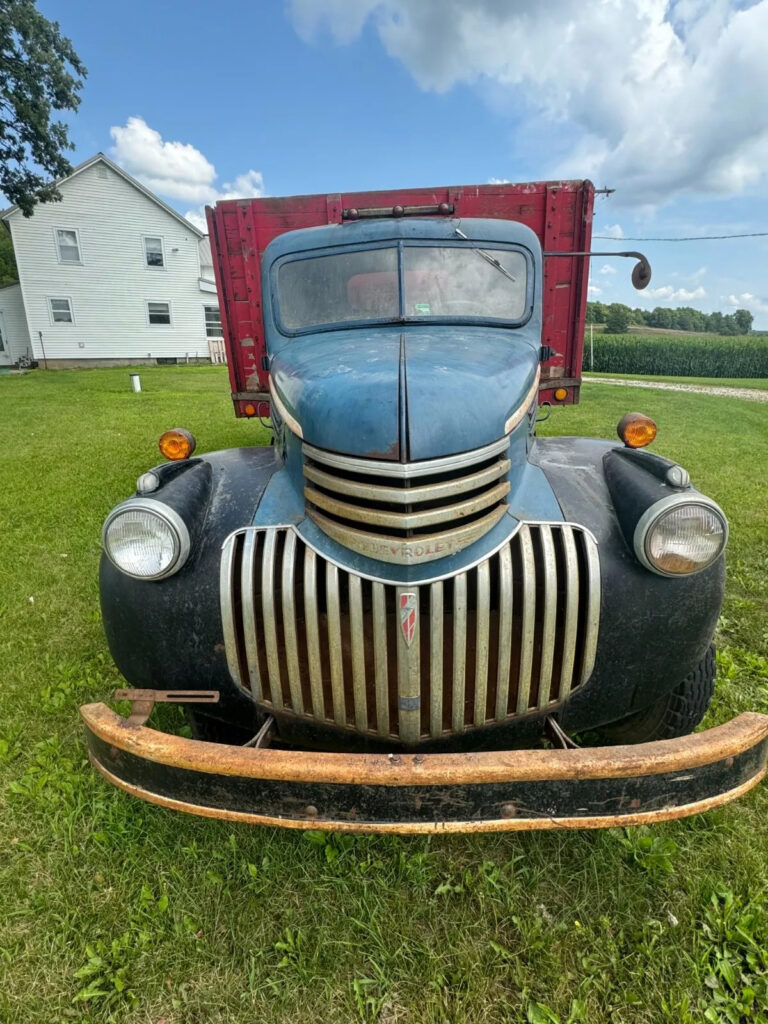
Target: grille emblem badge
408,613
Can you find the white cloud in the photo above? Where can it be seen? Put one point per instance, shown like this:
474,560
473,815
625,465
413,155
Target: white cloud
498,181
592,289
660,97
748,301
607,269
666,293
611,231
176,170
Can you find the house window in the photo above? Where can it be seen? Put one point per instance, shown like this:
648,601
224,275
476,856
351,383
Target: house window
212,322
68,245
61,311
159,313
153,251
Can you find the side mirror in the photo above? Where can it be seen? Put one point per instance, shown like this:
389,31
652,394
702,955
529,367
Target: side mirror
641,272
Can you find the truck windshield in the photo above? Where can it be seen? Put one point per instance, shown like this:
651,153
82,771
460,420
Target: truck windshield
450,281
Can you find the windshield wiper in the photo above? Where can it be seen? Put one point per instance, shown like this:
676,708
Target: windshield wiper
488,258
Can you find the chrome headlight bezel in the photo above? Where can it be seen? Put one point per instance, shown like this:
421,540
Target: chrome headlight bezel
167,515
653,515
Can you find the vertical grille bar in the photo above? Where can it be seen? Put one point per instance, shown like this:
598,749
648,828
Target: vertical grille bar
459,651
482,641
436,660
270,626
247,591
528,619
380,659
550,614
313,634
505,631
408,678
334,643
289,624
227,600
593,608
571,610
358,653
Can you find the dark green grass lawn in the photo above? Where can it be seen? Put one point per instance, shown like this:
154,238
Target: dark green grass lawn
111,909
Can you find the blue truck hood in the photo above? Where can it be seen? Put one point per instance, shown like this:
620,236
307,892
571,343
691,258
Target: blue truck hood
405,393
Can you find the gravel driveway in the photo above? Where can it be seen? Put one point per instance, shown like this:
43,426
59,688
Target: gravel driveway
700,389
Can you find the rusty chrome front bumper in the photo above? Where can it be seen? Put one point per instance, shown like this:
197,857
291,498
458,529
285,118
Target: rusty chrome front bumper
471,792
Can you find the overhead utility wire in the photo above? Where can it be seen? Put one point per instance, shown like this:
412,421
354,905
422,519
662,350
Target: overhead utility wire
688,238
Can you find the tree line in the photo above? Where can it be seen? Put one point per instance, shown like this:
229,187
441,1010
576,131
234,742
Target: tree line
617,319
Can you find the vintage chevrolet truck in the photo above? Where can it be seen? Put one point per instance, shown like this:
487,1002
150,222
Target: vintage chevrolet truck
409,613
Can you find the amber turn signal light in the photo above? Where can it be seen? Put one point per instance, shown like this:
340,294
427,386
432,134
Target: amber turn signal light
561,393
636,430
177,443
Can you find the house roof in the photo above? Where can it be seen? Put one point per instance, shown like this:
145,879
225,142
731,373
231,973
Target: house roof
100,158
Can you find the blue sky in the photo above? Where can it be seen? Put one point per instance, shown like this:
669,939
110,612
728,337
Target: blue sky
663,100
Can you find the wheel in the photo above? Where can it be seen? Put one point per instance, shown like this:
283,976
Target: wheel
675,714
213,730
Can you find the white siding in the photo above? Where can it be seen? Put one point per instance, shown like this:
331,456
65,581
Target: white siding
109,291
15,321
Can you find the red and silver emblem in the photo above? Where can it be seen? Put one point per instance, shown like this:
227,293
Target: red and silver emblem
408,613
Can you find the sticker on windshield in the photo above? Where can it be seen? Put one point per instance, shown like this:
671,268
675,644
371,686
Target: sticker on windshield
421,309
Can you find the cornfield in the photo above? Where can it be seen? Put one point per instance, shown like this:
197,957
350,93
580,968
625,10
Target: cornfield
703,355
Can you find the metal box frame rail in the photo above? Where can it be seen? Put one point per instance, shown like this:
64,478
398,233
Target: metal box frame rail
407,793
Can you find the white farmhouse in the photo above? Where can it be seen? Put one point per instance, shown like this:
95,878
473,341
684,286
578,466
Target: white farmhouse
109,276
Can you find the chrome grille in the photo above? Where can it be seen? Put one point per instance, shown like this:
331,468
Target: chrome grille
512,635
407,512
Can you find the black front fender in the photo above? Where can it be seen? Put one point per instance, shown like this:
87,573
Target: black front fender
653,630
167,633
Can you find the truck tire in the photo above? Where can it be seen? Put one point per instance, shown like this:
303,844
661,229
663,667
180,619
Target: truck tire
675,714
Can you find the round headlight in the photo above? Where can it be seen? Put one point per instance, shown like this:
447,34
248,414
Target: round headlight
146,539
680,535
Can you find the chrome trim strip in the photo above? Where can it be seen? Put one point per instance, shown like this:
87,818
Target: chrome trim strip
334,643
357,639
528,621
270,625
436,640
548,635
515,525
247,597
525,405
405,470
408,676
289,624
313,633
570,629
593,608
227,604
459,651
410,495
407,520
482,641
380,670
506,597
399,551
290,421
